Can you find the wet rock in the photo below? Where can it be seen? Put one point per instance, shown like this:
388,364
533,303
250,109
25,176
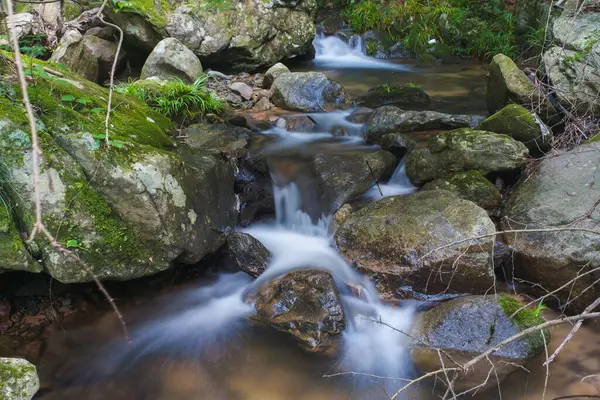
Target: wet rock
308,92
219,138
397,144
262,105
472,186
272,73
300,123
87,56
390,119
171,59
347,174
360,115
508,84
246,253
341,215
18,379
464,150
465,327
517,122
399,95
242,89
239,121
394,240
305,304
563,191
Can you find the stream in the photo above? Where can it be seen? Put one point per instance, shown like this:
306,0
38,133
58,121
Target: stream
198,341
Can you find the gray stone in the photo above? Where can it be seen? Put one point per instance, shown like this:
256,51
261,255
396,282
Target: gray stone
308,92
172,59
247,253
272,73
18,379
242,89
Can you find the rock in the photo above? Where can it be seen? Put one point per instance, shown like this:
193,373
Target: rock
517,122
308,92
272,74
242,89
13,253
218,75
22,23
464,150
88,56
18,379
562,192
397,144
247,254
389,119
394,241
300,123
239,121
344,175
574,78
262,105
103,32
399,95
465,327
508,84
305,304
342,214
472,186
171,59
360,115
221,139
265,32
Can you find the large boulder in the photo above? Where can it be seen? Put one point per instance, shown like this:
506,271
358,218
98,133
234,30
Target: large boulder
308,92
464,328
390,119
172,59
508,84
128,210
517,122
399,95
561,193
464,150
305,304
408,241
88,56
265,31
469,185
272,74
18,379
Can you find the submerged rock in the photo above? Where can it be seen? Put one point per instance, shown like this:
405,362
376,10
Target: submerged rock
399,95
472,186
172,59
247,253
508,84
390,119
517,122
305,304
272,74
308,92
464,150
562,192
394,240
18,379
464,328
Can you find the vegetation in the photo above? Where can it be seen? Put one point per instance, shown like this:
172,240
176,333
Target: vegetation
175,98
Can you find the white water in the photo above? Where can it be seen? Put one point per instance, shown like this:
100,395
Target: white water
399,184
333,52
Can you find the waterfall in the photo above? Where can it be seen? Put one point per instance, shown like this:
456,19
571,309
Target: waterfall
399,184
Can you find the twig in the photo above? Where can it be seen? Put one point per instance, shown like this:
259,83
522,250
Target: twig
374,177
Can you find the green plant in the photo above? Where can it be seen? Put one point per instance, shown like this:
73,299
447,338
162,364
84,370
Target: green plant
372,49
541,307
413,85
74,244
175,98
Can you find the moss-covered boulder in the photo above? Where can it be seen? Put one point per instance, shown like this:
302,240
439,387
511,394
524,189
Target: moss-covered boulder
18,379
128,210
395,240
390,119
464,150
399,95
170,59
517,122
508,84
468,326
562,192
472,186
308,92
228,35
305,304
13,254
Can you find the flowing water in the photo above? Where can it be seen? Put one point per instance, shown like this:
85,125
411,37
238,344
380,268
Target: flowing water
199,342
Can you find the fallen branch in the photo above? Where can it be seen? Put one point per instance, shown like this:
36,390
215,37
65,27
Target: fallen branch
374,177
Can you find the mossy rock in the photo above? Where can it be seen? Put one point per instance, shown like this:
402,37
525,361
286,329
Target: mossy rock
399,95
465,150
517,122
472,186
13,254
18,379
468,326
389,238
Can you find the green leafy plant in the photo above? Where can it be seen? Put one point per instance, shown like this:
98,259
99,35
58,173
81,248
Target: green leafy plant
541,307
74,244
175,98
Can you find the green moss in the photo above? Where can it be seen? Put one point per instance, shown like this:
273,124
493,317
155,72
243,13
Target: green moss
155,11
525,319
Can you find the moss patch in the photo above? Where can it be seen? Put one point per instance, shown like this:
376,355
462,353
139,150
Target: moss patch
525,319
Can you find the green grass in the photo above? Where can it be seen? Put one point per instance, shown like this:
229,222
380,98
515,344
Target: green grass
175,98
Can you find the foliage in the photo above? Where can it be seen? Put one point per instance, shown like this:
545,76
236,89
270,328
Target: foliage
470,28
175,98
